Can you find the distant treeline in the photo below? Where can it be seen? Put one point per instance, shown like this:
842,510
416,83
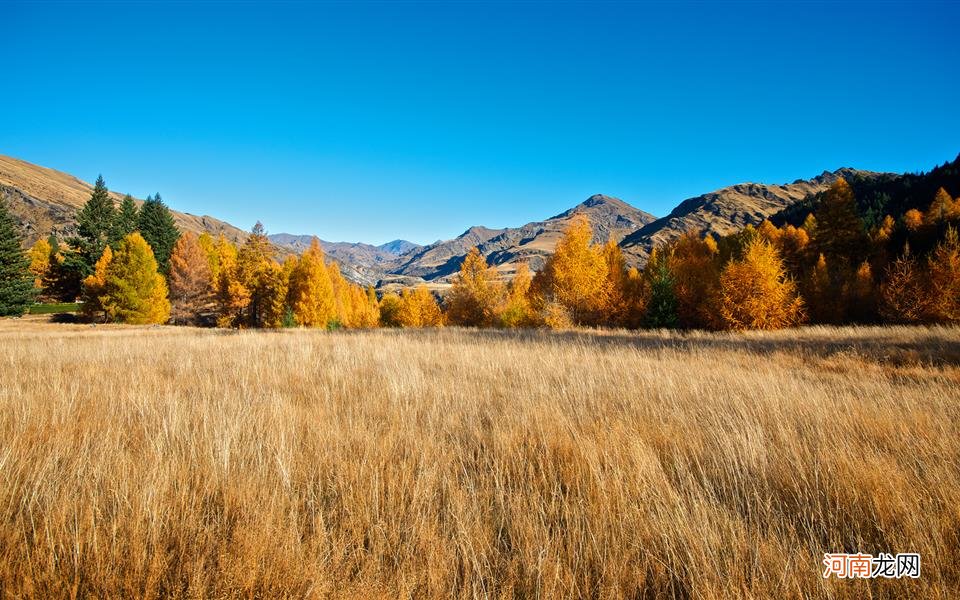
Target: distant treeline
876,251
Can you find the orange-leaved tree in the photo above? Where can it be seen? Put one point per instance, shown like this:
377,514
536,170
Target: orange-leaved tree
419,308
311,290
904,296
756,293
191,289
94,283
944,280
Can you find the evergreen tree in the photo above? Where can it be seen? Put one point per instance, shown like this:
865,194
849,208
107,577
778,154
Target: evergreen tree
16,280
157,227
95,223
126,221
662,303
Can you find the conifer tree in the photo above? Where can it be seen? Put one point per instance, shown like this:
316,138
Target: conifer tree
904,296
233,297
475,295
863,299
840,234
133,291
819,294
189,279
158,228
126,220
311,290
755,292
16,281
662,300
615,304
941,209
95,223
693,265
273,307
944,280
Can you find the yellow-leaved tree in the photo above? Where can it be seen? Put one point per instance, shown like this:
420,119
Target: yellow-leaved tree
39,256
574,279
944,275
311,291
419,308
133,291
516,310
694,264
755,292
391,306
93,285
904,296
189,279
476,295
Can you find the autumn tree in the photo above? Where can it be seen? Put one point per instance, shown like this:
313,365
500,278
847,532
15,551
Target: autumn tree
913,220
944,280
904,296
419,308
189,279
755,292
862,297
391,307
840,234
943,208
156,225
476,295
575,276
516,310
39,256
16,280
311,290
133,291
95,284
274,291
693,263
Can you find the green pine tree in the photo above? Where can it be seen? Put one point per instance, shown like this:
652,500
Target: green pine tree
16,281
662,307
126,221
95,223
158,228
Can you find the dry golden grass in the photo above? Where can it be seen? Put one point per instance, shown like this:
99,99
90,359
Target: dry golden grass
139,462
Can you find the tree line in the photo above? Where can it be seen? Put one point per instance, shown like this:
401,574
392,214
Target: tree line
132,265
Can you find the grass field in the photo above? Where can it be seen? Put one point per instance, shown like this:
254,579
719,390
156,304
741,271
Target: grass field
159,462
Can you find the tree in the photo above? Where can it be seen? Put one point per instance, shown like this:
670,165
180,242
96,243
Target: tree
943,208
158,228
95,284
840,233
189,278
273,307
755,292
903,295
819,294
575,276
133,291
419,308
913,220
126,220
662,300
476,294
862,301
944,270
391,305
693,265
16,281
39,257
517,310
95,223
311,290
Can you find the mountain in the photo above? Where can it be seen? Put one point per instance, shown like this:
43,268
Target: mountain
611,218
399,247
359,262
46,201
728,210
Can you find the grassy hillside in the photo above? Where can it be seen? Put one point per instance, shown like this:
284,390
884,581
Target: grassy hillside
165,462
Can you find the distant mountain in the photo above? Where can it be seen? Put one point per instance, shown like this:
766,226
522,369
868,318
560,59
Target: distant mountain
46,201
399,247
728,210
362,263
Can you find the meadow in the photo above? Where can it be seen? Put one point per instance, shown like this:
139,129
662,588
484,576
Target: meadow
148,462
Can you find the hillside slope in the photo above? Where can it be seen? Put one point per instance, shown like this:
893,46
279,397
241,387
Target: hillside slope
728,210
46,201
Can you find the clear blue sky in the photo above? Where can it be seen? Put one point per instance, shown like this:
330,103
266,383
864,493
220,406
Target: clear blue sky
383,120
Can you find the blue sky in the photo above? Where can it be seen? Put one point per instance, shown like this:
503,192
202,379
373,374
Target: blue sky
376,121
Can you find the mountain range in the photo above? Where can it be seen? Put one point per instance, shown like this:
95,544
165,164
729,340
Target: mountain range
46,201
